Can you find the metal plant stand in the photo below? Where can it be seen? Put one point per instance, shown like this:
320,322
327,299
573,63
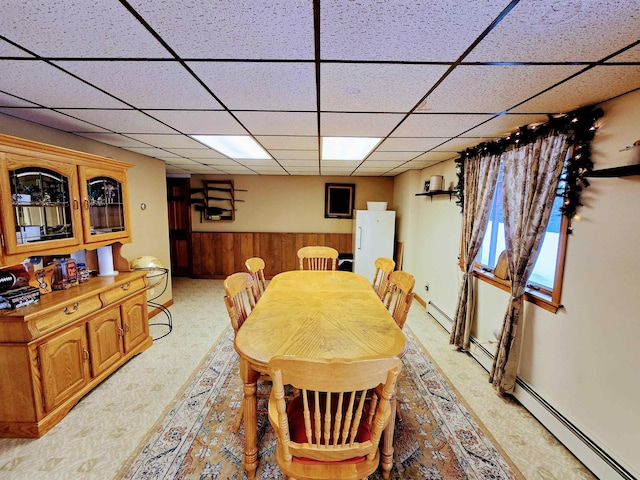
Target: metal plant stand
159,276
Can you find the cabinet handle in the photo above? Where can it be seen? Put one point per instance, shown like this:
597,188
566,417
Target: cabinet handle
125,286
126,327
76,204
71,310
120,332
86,203
86,354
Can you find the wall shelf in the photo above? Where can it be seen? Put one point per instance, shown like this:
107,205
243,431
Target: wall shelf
215,200
624,171
437,192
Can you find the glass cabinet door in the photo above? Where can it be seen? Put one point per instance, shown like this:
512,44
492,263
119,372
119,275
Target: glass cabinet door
104,209
106,206
42,208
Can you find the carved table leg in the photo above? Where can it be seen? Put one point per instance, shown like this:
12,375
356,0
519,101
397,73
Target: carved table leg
250,378
386,457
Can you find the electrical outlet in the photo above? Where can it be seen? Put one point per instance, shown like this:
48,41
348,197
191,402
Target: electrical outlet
426,287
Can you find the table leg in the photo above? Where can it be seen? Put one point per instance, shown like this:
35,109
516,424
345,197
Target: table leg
249,378
386,457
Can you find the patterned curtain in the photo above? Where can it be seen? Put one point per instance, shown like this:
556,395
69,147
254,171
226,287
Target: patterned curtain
530,179
480,177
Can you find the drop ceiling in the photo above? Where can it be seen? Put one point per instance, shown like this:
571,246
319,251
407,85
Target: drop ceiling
430,78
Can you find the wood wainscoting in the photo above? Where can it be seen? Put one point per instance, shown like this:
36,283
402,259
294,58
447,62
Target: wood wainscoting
219,254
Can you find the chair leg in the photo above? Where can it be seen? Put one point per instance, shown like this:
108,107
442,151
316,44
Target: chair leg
236,424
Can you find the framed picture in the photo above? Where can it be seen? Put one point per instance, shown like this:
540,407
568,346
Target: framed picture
426,186
339,199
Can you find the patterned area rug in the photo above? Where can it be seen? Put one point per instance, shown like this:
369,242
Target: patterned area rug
436,436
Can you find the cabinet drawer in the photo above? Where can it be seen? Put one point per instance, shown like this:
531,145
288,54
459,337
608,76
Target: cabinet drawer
68,313
122,290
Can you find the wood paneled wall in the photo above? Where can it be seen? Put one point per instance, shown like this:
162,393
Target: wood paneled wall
219,254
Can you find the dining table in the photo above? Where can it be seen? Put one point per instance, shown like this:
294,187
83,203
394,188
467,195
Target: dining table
315,315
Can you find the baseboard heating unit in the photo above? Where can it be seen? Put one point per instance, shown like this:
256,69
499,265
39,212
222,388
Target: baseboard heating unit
593,456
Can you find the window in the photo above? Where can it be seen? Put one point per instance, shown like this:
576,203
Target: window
545,283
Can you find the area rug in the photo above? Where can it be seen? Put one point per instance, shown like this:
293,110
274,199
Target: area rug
436,436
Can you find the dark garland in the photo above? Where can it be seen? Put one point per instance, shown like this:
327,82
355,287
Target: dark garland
580,127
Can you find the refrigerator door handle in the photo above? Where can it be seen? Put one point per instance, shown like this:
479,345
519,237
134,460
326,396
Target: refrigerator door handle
359,238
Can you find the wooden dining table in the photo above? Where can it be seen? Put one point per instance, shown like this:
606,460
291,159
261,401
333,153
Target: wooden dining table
317,315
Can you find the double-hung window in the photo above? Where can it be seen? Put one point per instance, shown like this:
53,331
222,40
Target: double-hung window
544,286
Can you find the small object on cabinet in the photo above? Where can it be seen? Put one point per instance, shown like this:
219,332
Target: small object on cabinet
426,186
19,297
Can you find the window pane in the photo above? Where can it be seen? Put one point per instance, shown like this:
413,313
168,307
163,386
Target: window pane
544,271
493,243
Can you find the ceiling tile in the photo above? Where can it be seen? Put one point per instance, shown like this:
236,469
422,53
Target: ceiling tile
493,89
120,121
279,123
403,29
568,31
502,126
281,86
358,124
433,125
145,84
199,153
11,101
294,154
48,86
8,50
299,162
51,119
374,87
233,28
411,145
288,142
596,85
631,55
389,156
166,141
199,122
114,139
77,29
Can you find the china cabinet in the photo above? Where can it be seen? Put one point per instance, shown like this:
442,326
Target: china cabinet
58,201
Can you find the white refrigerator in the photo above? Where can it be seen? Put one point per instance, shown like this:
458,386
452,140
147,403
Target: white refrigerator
373,237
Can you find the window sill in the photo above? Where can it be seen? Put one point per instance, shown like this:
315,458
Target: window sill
536,297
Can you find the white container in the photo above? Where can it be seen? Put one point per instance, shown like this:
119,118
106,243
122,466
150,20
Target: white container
436,183
376,206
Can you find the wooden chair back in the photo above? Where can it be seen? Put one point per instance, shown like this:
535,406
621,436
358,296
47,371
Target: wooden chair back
335,423
255,266
239,298
384,267
318,258
399,295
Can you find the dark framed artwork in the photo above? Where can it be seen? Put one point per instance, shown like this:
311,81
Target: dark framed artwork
339,200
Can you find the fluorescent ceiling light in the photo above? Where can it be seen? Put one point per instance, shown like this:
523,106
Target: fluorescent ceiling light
234,146
347,148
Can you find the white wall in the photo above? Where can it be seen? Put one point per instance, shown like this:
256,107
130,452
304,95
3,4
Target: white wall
583,360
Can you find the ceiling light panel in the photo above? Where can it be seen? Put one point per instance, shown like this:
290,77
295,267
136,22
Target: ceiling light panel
563,32
279,123
421,31
145,84
282,86
48,86
493,89
78,29
598,84
366,88
243,28
120,121
199,122
234,146
345,149
358,124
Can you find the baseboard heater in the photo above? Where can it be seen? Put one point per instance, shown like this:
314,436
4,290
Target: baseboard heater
584,448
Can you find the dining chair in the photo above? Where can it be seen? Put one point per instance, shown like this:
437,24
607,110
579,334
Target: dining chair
240,300
318,258
384,267
399,295
255,265
332,429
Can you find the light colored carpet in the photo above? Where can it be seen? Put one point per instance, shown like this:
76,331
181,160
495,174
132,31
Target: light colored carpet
94,440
